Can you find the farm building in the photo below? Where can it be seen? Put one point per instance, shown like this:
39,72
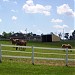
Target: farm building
18,36
35,37
32,37
50,38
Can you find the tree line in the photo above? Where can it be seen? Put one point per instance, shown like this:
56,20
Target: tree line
66,35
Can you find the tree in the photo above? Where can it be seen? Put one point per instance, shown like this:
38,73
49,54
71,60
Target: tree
60,35
4,34
70,37
73,34
66,35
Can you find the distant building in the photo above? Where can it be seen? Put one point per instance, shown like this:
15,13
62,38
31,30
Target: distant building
34,37
18,36
50,38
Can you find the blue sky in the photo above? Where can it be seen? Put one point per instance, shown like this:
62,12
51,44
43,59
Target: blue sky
38,16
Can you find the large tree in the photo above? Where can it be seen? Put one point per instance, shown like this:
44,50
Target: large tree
6,35
73,34
66,35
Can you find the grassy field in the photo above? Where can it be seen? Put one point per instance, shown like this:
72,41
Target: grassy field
46,44
16,66
13,68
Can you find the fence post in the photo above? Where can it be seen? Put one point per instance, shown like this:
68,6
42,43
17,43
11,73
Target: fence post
32,55
0,54
66,56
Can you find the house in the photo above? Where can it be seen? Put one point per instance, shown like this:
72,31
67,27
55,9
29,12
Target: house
50,38
18,36
34,37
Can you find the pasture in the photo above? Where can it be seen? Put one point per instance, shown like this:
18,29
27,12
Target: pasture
23,66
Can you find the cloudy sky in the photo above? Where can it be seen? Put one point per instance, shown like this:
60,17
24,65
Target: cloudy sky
37,16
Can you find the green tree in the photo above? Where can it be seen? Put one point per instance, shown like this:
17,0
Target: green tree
66,35
73,34
4,34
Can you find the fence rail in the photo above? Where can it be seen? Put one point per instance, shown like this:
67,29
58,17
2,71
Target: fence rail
44,48
33,52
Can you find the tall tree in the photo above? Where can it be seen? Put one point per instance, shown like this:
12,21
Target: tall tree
66,35
4,34
73,34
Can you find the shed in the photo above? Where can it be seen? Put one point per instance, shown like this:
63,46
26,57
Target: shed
50,38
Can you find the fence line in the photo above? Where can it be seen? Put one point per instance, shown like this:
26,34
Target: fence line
32,47
35,52
41,58
44,48
15,56
16,46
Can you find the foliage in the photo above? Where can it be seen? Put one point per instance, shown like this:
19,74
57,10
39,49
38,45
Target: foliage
73,35
66,35
6,35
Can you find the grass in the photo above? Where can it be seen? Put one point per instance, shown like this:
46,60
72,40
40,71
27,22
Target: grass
46,44
39,54
53,44
13,66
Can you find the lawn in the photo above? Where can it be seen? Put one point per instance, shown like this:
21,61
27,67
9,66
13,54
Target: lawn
13,68
18,66
46,44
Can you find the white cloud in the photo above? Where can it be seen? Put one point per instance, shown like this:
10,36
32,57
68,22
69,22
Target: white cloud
30,7
14,18
15,2
60,27
23,31
56,20
5,0
39,31
0,20
71,32
65,9
74,14
34,25
13,10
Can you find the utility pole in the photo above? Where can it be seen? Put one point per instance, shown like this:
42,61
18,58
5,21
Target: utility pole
26,33
26,30
63,33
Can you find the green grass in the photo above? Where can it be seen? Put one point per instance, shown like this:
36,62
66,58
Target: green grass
15,66
46,44
38,54
52,44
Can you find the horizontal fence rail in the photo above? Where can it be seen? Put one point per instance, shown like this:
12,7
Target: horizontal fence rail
44,48
16,46
33,52
36,58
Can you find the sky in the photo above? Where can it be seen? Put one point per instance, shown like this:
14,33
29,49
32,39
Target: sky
37,16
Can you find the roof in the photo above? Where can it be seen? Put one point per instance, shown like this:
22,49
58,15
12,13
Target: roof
18,36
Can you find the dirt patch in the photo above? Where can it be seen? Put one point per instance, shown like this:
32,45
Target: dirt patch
43,62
